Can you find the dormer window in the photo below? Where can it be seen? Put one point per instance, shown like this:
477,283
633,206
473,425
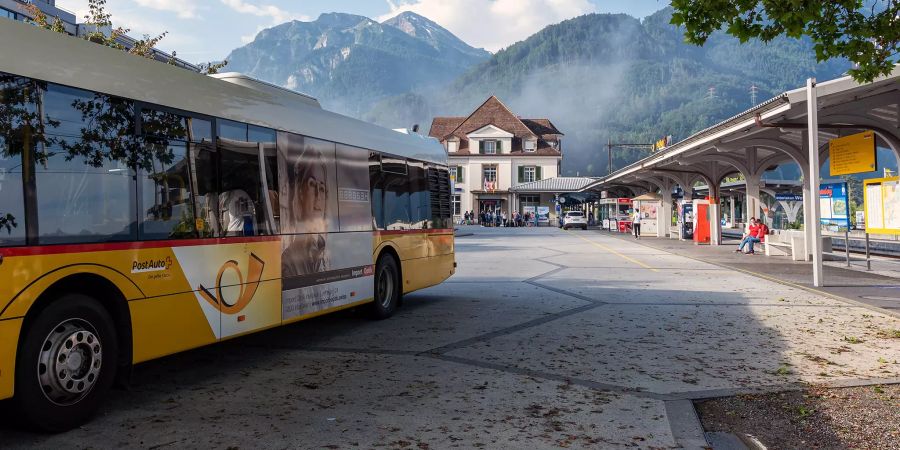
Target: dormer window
489,147
530,146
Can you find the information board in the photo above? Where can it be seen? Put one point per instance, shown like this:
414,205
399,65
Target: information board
834,205
882,205
852,154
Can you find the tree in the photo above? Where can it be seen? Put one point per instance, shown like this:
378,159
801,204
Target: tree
867,33
100,30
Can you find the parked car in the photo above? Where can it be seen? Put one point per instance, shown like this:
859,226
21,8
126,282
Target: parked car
574,219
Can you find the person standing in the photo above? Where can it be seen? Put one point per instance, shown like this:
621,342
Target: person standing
636,224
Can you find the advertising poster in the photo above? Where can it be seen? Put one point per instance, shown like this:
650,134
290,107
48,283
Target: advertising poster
834,205
891,201
543,213
323,269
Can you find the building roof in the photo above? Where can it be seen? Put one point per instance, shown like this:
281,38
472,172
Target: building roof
441,127
556,185
541,127
494,112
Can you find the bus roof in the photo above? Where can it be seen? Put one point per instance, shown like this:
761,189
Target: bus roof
58,58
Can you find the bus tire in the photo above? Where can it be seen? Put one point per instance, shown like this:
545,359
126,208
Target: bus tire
387,287
66,364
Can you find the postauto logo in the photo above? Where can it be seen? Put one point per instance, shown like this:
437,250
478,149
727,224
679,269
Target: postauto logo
247,289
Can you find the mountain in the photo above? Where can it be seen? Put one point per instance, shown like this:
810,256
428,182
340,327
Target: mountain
612,76
350,61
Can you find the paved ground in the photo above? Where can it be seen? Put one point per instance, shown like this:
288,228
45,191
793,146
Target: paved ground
543,339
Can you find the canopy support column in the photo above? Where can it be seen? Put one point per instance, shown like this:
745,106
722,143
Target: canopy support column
814,231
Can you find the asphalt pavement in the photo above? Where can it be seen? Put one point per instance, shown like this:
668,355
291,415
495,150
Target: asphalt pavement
543,339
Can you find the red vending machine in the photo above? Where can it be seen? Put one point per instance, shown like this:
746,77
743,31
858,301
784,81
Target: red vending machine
701,221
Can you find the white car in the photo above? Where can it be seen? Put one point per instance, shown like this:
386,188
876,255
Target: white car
574,219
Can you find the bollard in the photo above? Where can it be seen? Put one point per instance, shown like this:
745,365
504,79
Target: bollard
868,260
847,244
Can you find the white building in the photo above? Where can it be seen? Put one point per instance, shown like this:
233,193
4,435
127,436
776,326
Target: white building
492,150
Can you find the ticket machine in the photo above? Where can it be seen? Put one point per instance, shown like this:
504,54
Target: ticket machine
686,220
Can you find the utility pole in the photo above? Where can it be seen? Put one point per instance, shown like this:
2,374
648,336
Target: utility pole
610,146
711,93
753,91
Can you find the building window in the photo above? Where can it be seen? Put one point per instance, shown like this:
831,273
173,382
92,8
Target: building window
453,174
489,178
490,147
452,146
457,205
528,175
530,146
490,173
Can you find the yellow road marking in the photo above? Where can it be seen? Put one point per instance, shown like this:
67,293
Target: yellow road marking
603,247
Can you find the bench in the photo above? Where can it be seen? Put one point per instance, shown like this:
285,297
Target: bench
792,243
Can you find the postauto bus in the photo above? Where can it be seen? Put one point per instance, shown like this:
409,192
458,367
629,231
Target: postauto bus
147,209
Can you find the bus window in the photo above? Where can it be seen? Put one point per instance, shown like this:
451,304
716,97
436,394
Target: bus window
17,112
353,188
205,178
419,198
232,131
395,185
242,202
166,207
376,190
265,139
167,212
84,177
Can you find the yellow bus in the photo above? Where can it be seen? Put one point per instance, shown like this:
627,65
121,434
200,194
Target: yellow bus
146,210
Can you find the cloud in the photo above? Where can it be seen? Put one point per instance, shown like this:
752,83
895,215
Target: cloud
184,9
492,24
248,38
277,14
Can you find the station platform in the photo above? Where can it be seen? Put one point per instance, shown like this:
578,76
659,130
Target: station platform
878,288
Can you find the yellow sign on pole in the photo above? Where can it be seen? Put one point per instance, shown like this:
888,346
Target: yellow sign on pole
852,154
882,205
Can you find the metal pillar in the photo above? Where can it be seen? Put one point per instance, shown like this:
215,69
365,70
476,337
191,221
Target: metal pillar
813,148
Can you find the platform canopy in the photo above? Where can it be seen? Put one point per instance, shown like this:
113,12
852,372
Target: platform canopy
771,133
795,126
556,185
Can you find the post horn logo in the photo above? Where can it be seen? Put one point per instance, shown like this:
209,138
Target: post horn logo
247,290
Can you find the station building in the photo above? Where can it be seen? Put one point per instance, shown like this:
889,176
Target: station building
492,150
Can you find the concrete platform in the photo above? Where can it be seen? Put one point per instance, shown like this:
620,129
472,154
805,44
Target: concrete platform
543,339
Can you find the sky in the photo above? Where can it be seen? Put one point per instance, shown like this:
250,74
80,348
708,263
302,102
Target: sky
207,30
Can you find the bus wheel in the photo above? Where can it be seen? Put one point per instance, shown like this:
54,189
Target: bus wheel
66,363
387,287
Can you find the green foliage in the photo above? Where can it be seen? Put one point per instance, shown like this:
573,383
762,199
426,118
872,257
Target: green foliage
8,221
867,36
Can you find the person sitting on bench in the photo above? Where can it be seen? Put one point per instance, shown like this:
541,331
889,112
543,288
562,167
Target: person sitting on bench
750,237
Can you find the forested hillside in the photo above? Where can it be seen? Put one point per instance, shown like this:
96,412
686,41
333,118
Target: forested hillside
604,76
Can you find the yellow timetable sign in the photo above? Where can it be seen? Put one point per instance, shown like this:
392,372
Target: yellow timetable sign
882,205
852,154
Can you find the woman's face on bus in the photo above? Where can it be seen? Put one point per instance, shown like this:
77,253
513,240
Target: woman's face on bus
311,195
